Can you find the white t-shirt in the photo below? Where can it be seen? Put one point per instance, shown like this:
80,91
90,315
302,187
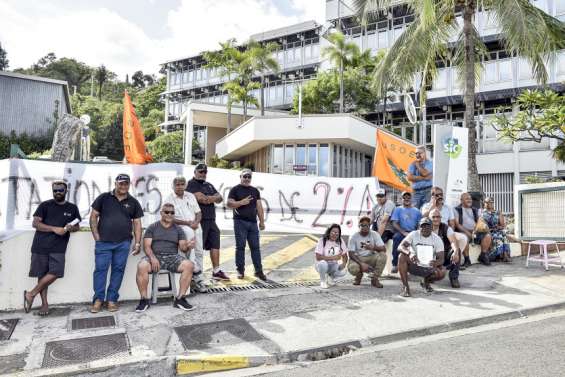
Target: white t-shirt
446,212
415,238
331,248
186,208
372,238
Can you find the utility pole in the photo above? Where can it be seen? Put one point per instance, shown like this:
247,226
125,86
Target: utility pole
92,84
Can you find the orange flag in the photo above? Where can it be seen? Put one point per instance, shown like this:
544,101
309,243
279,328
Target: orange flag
393,155
134,142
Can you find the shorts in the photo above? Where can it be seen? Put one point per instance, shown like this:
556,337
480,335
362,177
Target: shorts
210,234
422,271
168,262
43,264
479,238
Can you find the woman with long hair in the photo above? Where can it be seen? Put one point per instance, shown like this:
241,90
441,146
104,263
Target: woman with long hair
331,249
500,247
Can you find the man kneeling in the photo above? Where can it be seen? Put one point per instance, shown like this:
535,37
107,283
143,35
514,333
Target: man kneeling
420,244
367,253
161,242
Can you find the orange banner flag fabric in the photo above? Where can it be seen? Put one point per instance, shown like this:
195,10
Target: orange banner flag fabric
134,141
393,156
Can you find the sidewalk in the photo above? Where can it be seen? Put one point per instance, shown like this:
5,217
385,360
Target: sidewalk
266,326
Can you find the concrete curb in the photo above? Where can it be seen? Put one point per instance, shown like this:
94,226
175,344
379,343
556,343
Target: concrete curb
191,365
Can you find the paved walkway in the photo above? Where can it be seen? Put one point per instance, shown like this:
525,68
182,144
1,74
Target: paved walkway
250,327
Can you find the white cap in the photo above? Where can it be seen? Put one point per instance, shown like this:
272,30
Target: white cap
381,192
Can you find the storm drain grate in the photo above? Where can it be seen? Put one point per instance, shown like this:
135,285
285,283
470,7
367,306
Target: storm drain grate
269,285
93,322
217,334
75,351
7,327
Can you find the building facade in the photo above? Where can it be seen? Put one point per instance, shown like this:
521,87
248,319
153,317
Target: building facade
31,104
501,165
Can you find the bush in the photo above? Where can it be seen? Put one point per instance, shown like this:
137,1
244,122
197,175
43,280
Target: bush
29,144
167,147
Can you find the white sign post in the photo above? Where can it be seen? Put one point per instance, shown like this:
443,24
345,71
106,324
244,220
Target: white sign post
451,148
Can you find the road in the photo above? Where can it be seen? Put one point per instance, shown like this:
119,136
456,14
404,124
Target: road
529,349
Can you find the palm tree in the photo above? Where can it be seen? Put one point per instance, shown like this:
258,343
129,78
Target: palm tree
262,61
340,54
102,75
527,30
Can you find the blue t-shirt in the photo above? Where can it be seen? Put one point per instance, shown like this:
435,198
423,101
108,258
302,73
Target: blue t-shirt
408,218
418,185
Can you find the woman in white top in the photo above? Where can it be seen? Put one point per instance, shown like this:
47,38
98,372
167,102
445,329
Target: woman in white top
330,250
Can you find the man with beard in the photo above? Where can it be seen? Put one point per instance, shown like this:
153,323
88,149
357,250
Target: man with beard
53,220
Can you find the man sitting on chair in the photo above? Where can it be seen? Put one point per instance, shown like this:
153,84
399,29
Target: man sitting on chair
161,242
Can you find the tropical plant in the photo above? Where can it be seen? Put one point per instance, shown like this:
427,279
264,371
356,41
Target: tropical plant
262,61
167,147
340,53
527,30
102,75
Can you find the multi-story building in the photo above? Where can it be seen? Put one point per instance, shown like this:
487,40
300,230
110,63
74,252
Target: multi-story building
501,165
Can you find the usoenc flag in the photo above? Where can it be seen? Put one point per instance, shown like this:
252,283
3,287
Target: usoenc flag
393,155
134,141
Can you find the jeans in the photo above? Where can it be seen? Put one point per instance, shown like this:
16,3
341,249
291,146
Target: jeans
108,254
246,231
421,196
332,269
396,240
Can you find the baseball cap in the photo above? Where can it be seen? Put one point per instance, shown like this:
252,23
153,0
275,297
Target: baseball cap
381,192
246,171
201,167
404,193
364,217
425,221
122,178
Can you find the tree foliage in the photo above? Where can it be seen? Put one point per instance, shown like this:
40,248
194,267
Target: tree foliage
167,147
4,62
541,116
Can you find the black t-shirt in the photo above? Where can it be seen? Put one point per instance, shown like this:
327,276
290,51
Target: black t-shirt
115,220
206,188
53,214
247,212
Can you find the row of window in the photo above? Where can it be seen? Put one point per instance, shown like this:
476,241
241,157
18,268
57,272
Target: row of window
301,159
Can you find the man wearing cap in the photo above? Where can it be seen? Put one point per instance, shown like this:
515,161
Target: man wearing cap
207,197
113,217
415,243
53,221
245,200
404,220
380,216
367,253
420,174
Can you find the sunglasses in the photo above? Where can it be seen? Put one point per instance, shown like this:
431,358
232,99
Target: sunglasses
169,212
246,176
61,190
364,225
202,171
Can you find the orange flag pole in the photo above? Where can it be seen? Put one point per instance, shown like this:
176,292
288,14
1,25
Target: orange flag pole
393,156
134,141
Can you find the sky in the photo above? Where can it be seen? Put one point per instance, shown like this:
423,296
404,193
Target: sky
131,35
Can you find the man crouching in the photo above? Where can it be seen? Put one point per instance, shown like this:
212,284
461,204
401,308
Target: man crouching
421,254
161,242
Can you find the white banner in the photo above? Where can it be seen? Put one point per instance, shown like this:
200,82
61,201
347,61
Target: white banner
299,204
451,149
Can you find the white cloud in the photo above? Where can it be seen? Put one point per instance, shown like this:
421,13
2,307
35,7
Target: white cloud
101,36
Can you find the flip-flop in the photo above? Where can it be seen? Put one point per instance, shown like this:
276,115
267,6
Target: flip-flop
42,313
27,304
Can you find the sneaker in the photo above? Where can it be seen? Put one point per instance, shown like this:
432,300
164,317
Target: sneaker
142,306
199,287
394,270
466,264
261,276
454,283
181,303
112,306
331,281
358,278
323,285
240,275
426,285
484,259
375,282
96,307
220,275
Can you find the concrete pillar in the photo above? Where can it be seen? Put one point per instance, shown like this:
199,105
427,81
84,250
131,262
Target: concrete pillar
188,135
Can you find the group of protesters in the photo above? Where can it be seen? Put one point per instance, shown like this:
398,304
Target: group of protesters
187,227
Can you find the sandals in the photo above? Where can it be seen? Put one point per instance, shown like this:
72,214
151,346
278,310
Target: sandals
405,292
27,304
427,287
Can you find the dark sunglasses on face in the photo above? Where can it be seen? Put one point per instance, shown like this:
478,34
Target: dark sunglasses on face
247,176
169,212
202,171
61,190
364,225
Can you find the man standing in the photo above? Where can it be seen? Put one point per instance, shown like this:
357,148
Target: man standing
188,217
161,243
411,247
112,218
404,219
245,201
420,174
465,222
53,220
380,216
207,196
367,253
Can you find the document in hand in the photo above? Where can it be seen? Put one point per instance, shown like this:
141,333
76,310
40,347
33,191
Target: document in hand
425,254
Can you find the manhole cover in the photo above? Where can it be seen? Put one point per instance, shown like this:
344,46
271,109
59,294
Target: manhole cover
7,327
83,350
213,334
93,322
